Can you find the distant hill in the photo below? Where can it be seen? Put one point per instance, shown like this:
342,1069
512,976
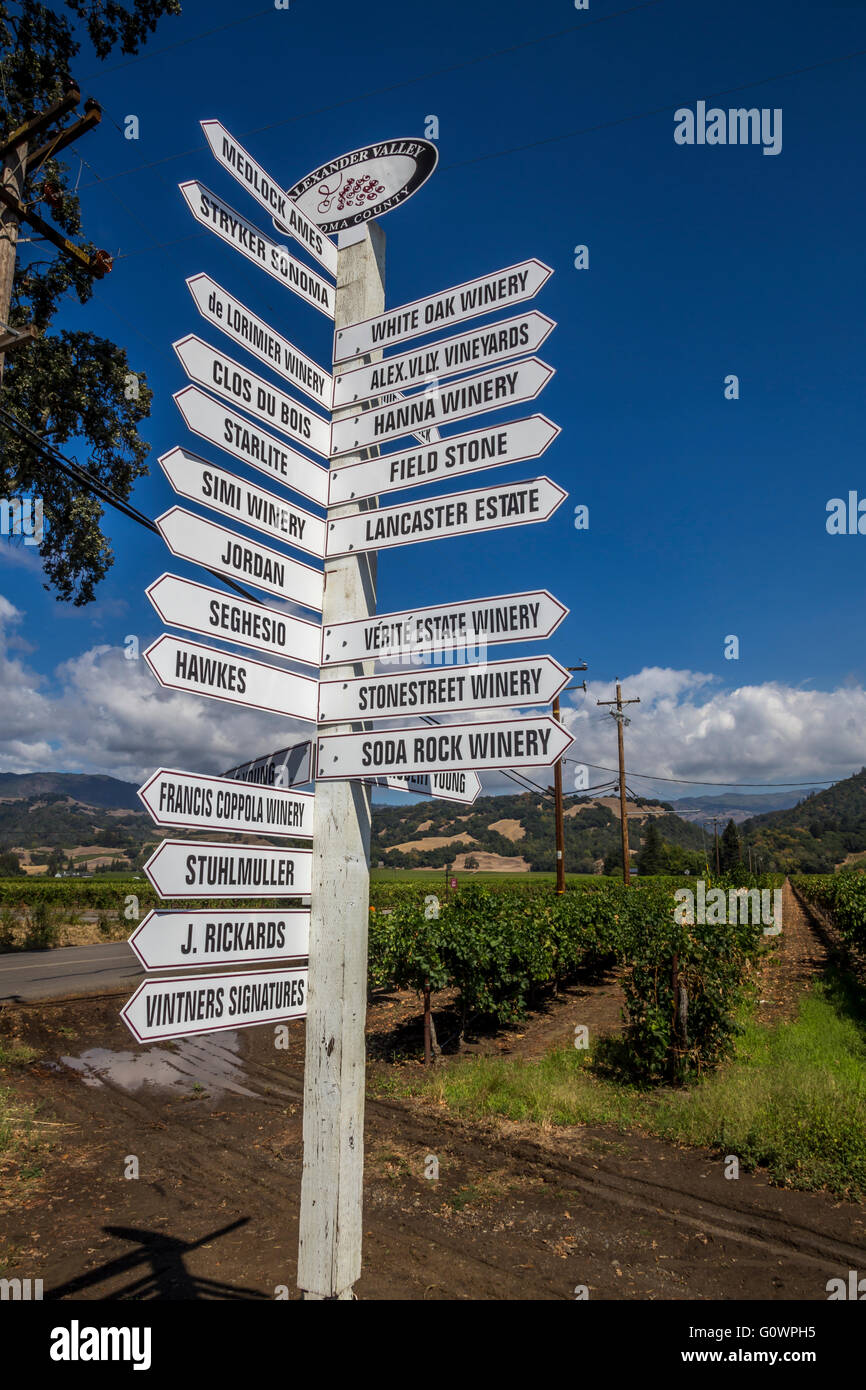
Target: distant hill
823,831
93,818
107,792
517,833
735,806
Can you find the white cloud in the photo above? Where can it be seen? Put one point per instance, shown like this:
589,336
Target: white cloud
683,728
107,714
102,713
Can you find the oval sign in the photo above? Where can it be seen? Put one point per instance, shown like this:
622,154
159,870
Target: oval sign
364,183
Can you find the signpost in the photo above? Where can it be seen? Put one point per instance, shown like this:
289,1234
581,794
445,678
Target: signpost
202,869
457,514
200,481
228,378
207,936
288,767
243,414
443,627
247,442
191,537
365,183
472,395
444,786
192,801
181,1008
210,211
215,613
246,328
200,670
498,290
459,454
525,681
268,193
478,348
537,741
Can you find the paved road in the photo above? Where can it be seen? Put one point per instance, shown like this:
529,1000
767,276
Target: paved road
67,970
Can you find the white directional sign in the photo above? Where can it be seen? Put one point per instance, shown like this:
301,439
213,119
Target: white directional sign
191,537
288,767
458,514
491,390
443,627
271,197
200,670
247,442
202,869
487,293
200,481
478,348
444,786
244,327
364,183
228,378
219,217
198,608
173,940
538,741
459,454
180,1008
528,680
191,801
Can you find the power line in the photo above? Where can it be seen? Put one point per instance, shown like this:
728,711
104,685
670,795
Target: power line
693,782
194,38
101,490
382,91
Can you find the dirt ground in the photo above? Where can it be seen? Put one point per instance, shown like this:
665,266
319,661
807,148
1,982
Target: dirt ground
515,1213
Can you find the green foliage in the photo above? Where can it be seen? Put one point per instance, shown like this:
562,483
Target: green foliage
815,836
843,897
10,864
651,859
500,947
730,854
71,385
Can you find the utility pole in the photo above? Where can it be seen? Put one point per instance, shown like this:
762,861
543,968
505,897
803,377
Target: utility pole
329,1254
622,719
557,794
715,821
20,161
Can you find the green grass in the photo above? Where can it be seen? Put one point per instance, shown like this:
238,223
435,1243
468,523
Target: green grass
792,1100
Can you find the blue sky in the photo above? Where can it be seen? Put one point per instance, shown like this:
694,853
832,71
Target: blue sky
556,128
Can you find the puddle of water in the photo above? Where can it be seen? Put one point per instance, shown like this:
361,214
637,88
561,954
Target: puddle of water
195,1064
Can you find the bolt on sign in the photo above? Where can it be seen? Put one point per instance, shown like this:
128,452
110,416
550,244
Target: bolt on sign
443,627
201,869
200,670
208,936
454,457
199,481
523,681
191,801
184,1007
467,301
539,741
478,348
216,613
238,436
210,211
246,328
458,514
292,219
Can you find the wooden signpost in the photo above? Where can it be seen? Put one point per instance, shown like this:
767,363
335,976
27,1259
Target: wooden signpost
361,401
